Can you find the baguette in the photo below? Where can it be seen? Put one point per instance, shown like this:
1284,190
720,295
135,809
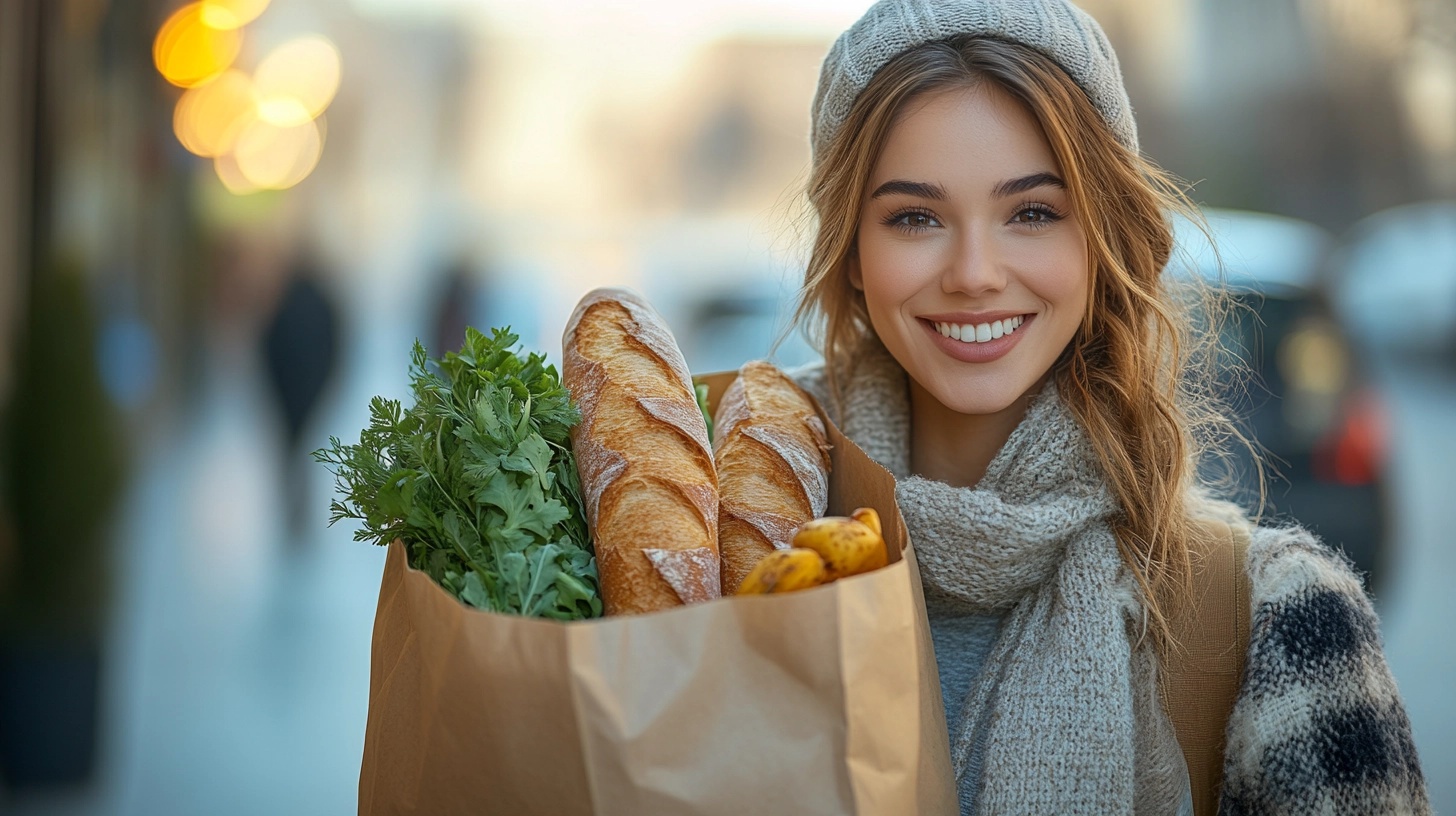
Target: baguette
642,450
772,457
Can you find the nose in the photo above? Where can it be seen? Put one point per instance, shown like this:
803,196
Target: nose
974,267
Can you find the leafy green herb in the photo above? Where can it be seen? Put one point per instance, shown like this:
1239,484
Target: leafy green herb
701,390
478,480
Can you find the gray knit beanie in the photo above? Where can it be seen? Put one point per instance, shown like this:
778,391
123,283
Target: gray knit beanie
1056,28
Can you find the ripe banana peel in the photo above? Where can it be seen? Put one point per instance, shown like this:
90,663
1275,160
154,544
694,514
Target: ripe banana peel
784,571
849,546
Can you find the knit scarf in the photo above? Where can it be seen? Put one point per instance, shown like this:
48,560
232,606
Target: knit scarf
1066,707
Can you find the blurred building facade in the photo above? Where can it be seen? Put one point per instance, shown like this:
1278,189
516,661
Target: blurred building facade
575,144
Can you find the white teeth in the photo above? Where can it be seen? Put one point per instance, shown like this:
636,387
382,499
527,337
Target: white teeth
980,332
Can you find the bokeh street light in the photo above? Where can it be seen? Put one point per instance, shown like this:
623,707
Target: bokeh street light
261,129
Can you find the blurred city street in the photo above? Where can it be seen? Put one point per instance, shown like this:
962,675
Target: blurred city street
238,658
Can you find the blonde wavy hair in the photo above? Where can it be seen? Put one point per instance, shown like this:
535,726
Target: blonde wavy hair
1128,374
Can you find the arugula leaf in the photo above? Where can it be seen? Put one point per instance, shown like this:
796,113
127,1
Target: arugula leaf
478,480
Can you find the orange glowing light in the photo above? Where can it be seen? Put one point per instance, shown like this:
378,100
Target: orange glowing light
209,117
276,158
297,81
189,52
230,14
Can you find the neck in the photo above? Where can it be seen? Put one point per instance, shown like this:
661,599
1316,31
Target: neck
956,448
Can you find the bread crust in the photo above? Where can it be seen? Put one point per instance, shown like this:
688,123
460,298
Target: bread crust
642,450
772,457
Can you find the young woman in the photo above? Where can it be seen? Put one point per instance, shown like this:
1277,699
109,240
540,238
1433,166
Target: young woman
987,277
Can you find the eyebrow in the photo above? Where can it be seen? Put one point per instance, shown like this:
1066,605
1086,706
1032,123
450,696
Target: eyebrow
935,192
1015,186
919,189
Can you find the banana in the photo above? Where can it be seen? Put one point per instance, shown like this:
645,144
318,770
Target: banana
848,546
784,571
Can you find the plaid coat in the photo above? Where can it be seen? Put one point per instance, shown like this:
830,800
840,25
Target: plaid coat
1319,726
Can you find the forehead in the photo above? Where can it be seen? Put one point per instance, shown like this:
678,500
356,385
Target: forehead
969,135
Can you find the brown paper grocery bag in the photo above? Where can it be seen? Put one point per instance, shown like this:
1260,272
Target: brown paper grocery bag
824,701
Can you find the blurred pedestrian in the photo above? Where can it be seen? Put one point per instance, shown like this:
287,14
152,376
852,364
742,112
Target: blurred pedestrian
300,345
455,308
988,277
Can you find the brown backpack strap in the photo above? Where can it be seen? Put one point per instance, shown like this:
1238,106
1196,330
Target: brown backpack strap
1201,680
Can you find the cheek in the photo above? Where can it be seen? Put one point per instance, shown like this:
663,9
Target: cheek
1063,277
893,270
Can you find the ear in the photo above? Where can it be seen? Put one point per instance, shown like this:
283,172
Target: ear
856,277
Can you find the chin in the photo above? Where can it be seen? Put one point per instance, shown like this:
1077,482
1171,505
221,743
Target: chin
977,396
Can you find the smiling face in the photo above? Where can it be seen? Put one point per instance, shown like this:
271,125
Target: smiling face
973,265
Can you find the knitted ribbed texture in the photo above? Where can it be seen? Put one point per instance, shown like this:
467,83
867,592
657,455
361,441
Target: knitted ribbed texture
1058,29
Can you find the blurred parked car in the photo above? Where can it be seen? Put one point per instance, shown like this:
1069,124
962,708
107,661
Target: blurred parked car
1307,401
1394,280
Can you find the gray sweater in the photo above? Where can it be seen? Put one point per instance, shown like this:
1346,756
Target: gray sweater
962,641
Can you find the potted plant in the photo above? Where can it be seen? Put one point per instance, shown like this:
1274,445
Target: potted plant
62,467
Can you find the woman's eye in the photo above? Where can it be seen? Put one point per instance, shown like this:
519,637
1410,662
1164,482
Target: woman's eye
1035,216
912,220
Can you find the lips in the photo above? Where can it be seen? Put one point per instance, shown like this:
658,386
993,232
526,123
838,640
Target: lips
979,332
976,350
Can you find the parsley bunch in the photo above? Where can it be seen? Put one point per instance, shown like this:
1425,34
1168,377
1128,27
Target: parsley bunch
478,480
